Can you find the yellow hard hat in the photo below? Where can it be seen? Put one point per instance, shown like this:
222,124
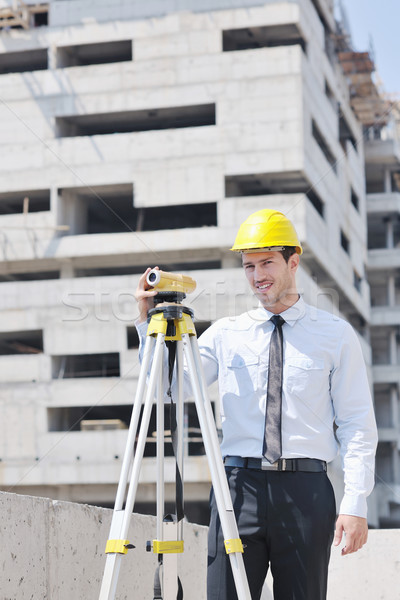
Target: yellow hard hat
266,229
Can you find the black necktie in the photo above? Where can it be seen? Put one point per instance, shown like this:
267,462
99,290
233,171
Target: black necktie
272,449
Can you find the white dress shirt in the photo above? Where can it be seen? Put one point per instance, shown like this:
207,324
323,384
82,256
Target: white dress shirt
324,381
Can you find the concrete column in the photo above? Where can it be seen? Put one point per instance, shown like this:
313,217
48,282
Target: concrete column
67,270
394,406
389,233
391,291
54,201
73,212
387,181
52,57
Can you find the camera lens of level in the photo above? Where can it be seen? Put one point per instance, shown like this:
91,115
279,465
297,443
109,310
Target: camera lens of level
152,277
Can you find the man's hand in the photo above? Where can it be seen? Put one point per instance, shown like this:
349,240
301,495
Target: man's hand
145,296
355,530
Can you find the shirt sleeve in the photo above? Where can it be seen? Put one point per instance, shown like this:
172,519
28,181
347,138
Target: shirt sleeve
356,426
208,353
141,328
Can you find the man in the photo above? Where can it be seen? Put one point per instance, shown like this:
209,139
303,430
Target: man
284,384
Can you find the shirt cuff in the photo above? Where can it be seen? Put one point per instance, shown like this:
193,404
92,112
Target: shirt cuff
141,327
355,506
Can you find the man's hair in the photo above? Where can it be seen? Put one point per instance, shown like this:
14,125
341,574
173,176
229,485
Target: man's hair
288,252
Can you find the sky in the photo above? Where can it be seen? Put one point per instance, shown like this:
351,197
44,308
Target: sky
378,20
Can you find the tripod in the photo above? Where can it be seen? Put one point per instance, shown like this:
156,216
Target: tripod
170,322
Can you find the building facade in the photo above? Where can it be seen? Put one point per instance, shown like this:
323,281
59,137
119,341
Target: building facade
383,205
138,134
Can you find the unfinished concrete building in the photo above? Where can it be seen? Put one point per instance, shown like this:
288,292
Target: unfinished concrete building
380,118
137,134
383,204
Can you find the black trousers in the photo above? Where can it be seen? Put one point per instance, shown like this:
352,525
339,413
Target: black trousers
286,521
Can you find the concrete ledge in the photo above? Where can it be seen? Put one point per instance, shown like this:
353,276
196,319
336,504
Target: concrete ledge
56,550
371,573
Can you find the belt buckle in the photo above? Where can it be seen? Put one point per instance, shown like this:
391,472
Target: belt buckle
279,465
267,466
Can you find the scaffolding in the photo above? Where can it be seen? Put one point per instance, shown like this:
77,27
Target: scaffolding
368,101
20,14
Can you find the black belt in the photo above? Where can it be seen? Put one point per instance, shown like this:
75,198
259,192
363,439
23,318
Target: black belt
312,465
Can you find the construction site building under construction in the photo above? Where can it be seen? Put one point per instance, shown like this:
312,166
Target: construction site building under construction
137,134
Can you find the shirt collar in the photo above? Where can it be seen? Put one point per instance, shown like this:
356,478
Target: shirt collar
291,314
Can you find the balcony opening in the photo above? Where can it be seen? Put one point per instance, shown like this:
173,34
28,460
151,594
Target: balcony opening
376,233
384,462
86,365
94,54
331,97
89,418
319,138
378,289
110,209
132,337
98,209
21,342
264,184
262,37
108,271
374,132
355,200
136,120
380,345
103,418
113,213
357,281
31,276
345,133
383,405
180,216
344,242
374,187
41,18
27,201
383,232
23,61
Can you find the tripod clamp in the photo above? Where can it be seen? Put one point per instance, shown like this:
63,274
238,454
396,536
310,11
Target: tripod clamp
171,319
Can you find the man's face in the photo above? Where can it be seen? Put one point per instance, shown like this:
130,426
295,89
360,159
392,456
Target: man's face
272,279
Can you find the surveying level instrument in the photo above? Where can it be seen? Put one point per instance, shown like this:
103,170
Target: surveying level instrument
170,328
